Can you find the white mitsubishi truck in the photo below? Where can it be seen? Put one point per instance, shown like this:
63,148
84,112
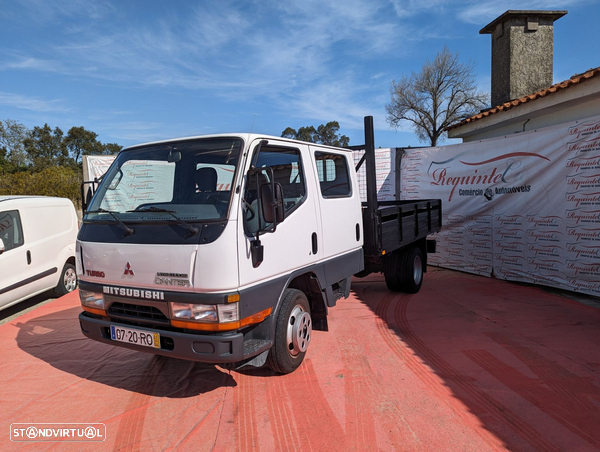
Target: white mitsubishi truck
232,248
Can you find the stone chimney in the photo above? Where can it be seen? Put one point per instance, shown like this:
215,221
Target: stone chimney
522,53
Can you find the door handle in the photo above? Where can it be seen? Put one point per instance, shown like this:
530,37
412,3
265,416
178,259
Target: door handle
315,245
28,257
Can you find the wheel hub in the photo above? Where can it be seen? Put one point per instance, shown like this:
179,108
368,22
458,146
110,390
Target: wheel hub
70,280
299,331
417,270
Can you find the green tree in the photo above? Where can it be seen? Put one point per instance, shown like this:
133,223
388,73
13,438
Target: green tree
46,148
80,141
43,161
111,149
12,152
324,134
444,92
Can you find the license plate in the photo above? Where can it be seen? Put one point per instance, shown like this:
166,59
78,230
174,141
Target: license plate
132,336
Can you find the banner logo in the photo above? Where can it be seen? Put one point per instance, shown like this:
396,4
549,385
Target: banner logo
583,145
587,128
584,234
584,216
582,163
477,183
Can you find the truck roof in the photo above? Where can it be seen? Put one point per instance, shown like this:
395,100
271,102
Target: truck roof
247,137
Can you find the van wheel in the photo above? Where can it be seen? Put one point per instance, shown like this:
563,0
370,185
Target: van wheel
67,282
403,270
293,331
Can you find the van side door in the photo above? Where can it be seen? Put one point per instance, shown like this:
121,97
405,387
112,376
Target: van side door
15,271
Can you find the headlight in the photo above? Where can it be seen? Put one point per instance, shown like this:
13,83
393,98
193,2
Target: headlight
91,299
206,313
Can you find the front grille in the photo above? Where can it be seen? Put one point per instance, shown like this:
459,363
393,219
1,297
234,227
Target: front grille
137,312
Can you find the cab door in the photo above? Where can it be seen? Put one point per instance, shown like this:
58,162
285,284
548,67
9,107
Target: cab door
295,243
338,201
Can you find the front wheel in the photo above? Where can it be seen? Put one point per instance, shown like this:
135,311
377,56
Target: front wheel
293,331
67,282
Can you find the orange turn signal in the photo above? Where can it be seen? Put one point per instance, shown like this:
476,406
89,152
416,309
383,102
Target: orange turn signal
251,320
96,311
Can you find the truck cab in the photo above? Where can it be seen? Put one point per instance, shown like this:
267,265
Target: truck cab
221,249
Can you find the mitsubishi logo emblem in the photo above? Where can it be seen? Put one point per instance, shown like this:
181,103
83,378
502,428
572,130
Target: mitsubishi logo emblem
128,270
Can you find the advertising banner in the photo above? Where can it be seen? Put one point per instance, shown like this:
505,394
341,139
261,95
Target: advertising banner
524,207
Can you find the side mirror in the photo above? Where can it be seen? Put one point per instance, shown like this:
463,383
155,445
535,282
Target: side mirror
88,198
86,195
257,251
272,203
2,246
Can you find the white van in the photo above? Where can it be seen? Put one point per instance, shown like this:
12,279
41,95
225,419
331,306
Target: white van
37,247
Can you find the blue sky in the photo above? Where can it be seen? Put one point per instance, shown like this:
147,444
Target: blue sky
138,71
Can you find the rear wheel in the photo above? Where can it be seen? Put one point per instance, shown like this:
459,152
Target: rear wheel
293,331
67,282
403,270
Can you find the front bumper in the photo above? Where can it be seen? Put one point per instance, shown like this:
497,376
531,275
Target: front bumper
214,348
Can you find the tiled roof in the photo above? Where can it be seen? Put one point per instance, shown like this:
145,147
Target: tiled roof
576,79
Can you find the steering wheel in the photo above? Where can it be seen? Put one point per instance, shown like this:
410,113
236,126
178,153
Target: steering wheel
250,210
215,199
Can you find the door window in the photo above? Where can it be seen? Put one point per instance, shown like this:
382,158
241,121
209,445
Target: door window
333,175
11,231
286,166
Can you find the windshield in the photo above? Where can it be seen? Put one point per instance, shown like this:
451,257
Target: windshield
191,179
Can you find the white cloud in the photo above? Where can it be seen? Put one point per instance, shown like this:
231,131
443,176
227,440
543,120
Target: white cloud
481,13
225,51
342,101
407,8
32,103
31,63
49,11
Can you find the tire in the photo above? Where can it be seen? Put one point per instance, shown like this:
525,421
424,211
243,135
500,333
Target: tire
403,270
293,332
67,282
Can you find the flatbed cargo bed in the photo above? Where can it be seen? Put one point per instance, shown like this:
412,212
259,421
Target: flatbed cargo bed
400,223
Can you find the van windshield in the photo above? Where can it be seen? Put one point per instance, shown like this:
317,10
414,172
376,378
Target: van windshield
191,179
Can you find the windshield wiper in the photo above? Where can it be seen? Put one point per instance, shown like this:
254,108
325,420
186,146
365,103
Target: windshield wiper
127,230
189,227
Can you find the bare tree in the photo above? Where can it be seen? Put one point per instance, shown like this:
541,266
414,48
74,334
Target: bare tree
443,93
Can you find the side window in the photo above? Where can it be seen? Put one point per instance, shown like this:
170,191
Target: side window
333,175
286,165
11,231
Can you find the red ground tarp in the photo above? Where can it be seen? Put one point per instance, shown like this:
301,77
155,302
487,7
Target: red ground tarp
469,363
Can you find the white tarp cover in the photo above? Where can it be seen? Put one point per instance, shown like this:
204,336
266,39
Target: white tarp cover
525,206
385,167
96,165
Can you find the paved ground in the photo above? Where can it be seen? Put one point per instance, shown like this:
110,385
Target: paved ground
17,310
469,363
